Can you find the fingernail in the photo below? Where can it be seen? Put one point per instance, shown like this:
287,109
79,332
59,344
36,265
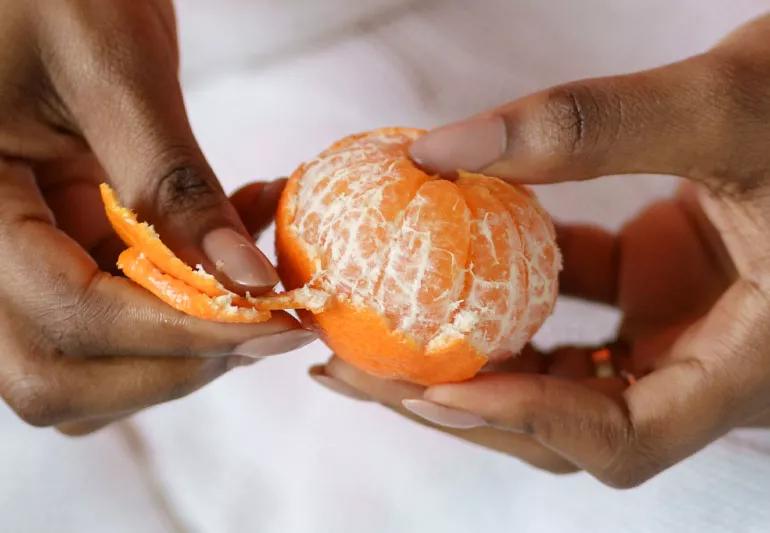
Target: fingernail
335,385
443,416
276,343
238,258
469,145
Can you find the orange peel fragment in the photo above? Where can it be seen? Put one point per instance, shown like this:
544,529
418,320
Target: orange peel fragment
151,264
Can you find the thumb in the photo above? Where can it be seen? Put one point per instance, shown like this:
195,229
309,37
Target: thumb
126,100
681,119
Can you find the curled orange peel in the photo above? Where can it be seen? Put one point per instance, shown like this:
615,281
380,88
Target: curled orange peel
151,264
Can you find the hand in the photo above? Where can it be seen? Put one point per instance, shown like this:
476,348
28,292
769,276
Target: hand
691,274
89,93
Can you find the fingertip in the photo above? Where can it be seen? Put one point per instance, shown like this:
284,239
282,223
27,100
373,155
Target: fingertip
275,343
338,368
442,415
318,374
317,370
256,203
443,394
237,257
471,145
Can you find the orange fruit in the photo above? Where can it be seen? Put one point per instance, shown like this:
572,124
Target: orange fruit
151,264
429,279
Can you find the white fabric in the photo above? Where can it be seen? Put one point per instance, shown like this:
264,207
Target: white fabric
264,449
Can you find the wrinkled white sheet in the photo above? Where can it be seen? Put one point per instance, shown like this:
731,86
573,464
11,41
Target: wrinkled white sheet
269,84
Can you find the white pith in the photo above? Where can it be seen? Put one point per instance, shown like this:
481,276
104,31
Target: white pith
344,190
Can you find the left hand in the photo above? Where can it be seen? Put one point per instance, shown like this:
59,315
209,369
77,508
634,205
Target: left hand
90,93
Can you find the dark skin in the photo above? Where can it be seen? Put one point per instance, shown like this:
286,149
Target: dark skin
89,93
690,274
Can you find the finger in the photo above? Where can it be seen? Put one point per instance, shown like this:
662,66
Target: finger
576,422
625,436
346,379
590,259
74,181
528,360
256,204
86,394
571,362
678,119
141,135
86,427
583,362
386,391
54,289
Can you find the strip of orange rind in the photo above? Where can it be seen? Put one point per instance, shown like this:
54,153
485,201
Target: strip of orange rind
183,297
152,265
144,237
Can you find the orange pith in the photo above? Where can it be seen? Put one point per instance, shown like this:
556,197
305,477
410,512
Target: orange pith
151,264
430,279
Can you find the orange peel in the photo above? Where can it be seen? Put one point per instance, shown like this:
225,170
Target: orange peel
150,263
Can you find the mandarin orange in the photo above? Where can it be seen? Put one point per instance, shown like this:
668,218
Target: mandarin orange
428,279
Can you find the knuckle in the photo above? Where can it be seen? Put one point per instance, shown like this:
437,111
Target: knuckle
533,423
184,187
32,399
574,119
60,317
632,463
79,321
97,314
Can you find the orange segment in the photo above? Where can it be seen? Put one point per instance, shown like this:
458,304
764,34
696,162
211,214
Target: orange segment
142,236
345,204
538,245
496,296
424,273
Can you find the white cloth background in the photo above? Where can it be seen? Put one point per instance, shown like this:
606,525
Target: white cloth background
269,84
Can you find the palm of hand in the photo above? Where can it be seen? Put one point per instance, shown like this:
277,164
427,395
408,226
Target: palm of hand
668,272
671,269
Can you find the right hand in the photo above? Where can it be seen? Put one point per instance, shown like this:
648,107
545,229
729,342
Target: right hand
691,275
89,93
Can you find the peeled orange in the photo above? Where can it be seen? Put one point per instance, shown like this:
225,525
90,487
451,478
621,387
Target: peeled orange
428,279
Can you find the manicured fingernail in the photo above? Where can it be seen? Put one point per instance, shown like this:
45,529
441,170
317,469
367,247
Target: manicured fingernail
442,415
276,343
469,145
335,385
238,258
